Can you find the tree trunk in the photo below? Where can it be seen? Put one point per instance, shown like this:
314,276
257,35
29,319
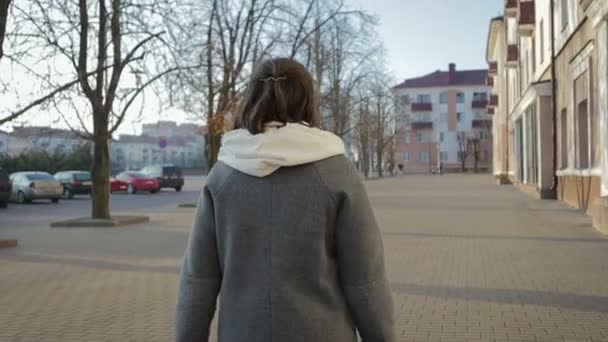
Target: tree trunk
3,21
379,163
101,169
366,164
213,148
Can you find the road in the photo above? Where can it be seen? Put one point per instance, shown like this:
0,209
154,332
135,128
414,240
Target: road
467,261
42,212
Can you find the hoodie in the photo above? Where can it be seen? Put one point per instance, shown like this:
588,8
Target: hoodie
279,146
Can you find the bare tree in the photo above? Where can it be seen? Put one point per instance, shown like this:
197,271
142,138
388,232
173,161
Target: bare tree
473,148
384,131
4,7
463,151
111,74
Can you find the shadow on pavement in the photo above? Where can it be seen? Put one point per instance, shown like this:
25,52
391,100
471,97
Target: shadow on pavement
573,301
497,237
91,263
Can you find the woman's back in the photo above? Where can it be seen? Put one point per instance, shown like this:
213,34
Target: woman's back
284,233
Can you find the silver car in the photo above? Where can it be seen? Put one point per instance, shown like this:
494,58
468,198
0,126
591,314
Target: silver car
28,186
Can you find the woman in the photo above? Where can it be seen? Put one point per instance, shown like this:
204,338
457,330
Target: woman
284,230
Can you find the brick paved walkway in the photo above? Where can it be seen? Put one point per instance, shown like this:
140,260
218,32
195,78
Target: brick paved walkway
469,261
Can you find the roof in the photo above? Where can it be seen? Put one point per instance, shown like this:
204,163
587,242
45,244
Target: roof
442,79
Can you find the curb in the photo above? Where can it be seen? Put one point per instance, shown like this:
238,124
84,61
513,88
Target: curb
116,221
8,243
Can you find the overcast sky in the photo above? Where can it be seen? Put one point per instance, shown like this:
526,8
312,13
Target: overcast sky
420,36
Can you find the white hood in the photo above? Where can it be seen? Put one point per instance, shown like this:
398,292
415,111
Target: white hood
293,144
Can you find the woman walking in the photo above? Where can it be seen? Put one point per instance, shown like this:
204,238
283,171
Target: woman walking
284,232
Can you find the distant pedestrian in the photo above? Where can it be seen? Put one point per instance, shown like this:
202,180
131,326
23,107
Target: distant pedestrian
284,230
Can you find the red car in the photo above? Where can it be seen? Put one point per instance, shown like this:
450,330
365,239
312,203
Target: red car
137,181
117,185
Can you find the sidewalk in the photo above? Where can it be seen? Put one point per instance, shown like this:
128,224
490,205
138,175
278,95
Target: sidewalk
468,261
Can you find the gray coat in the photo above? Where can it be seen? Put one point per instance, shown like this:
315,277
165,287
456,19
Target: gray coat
296,256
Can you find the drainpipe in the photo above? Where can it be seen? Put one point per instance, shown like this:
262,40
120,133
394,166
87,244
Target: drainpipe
554,100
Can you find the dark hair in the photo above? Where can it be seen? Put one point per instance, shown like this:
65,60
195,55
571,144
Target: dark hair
281,90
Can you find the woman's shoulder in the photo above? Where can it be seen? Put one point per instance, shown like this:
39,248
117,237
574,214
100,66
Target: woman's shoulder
338,173
217,177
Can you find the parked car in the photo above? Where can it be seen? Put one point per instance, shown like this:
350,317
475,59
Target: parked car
117,185
137,181
5,188
28,186
168,176
75,183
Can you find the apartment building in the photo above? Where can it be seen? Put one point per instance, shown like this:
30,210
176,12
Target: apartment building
548,71
164,142
439,114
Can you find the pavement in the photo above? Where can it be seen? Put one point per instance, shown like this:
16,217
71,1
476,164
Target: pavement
467,260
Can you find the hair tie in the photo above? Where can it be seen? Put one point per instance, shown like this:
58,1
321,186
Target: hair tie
271,78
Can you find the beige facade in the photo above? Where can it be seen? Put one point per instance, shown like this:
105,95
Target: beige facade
551,83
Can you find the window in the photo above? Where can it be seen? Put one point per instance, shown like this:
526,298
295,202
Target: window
583,135
441,136
443,155
443,98
420,137
406,138
542,42
533,55
564,11
585,122
481,96
459,117
483,155
424,98
406,156
460,97
424,117
444,117
483,136
563,124
423,157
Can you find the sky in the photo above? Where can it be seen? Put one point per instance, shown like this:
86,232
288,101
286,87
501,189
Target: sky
422,36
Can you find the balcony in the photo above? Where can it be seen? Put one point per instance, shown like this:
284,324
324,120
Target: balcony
492,68
490,81
490,110
510,8
483,124
480,104
422,125
512,55
493,103
422,107
527,20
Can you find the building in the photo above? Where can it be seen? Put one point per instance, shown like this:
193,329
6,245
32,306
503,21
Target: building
164,142
439,114
548,69
43,138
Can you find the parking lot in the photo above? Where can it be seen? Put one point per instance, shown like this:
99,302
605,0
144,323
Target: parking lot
42,212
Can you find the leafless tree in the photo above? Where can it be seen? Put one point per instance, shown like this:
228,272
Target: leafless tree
99,82
463,151
4,7
473,148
